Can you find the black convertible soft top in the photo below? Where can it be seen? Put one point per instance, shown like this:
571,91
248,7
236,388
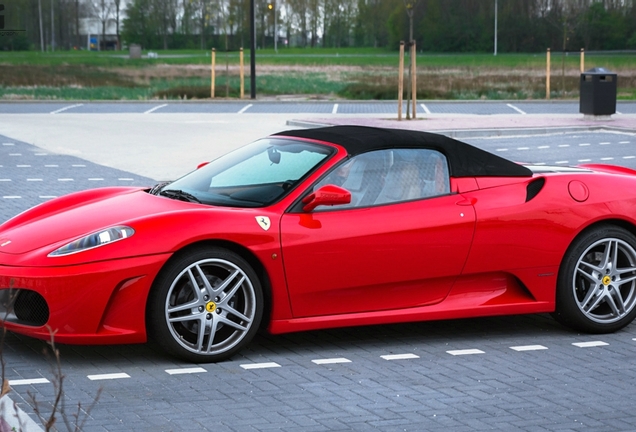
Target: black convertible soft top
464,160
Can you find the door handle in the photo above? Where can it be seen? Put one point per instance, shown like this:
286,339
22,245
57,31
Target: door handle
470,201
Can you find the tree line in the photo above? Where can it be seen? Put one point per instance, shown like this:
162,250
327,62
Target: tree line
437,25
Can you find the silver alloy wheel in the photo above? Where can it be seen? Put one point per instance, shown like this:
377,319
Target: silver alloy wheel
604,281
210,306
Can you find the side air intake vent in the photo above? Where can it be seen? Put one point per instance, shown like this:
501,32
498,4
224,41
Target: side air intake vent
534,187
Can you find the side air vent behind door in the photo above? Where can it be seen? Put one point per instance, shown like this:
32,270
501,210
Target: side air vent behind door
534,187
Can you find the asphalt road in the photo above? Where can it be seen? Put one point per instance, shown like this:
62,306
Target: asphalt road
507,373
300,107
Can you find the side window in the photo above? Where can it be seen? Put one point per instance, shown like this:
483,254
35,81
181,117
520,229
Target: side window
387,176
415,174
362,175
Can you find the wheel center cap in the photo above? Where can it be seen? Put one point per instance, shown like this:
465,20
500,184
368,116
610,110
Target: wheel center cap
211,306
607,280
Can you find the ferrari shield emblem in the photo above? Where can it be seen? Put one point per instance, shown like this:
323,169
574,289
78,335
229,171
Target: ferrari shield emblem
264,222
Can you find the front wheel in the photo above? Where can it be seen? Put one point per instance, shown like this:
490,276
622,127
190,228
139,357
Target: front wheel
596,290
205,305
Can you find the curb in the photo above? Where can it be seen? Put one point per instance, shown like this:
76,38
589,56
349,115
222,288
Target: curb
12,418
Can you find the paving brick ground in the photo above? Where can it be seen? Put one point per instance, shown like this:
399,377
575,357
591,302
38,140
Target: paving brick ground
561,387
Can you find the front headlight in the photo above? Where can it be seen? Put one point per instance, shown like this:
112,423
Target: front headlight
92,241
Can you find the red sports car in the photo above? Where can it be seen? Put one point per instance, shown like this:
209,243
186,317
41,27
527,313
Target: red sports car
320,228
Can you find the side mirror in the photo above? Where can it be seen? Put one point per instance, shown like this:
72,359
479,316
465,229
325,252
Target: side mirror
202,164
326,195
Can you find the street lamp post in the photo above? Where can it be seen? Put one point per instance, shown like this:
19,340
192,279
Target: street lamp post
252,51
496,9
52,28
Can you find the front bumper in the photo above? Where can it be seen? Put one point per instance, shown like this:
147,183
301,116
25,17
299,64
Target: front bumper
95,303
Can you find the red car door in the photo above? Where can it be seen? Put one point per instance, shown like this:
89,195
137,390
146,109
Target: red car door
375,258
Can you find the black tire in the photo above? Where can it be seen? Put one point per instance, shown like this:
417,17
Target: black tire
596,288
227,304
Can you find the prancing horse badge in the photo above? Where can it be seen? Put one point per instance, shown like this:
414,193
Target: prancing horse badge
264,222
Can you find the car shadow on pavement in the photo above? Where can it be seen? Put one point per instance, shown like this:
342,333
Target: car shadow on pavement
352,341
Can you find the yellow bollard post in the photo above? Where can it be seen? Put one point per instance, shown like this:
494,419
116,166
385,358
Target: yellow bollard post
413,78
547,76
400,80
212,73
242,73
582,60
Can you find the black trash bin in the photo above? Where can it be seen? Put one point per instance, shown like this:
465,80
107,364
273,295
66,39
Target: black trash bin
598,92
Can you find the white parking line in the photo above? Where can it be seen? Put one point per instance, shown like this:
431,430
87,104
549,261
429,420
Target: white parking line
590,344
78,166
260,365
335,109
425,108
23,166
18,382
543,147
155,108
623,142
528,348
502,149
35,179
629,157
95,179
516,109
40,154
11,197
15,154
400,356
465,352
331,361
564,145
181,371
245,108
605,143
125,179
584,145
584,160
66,108
5,180
8,144
523,148
110,376
65,179
562,162
607,158
47,196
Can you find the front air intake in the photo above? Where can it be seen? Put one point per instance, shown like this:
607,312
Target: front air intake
22,306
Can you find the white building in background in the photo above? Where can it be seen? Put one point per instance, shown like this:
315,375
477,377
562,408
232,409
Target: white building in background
91,33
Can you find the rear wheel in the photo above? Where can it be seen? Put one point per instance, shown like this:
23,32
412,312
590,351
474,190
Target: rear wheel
596,289
205,306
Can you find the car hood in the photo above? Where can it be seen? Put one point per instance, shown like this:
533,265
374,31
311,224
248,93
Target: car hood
75,215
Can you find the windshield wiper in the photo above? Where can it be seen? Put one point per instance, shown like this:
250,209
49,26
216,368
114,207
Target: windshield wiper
180,195
156,188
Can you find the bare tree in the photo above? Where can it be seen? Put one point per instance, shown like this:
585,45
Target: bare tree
118,4
102,11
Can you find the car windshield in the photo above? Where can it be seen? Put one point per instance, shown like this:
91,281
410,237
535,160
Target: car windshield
256,175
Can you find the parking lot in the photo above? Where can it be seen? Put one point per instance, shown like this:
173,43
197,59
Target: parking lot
504,373
301,107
